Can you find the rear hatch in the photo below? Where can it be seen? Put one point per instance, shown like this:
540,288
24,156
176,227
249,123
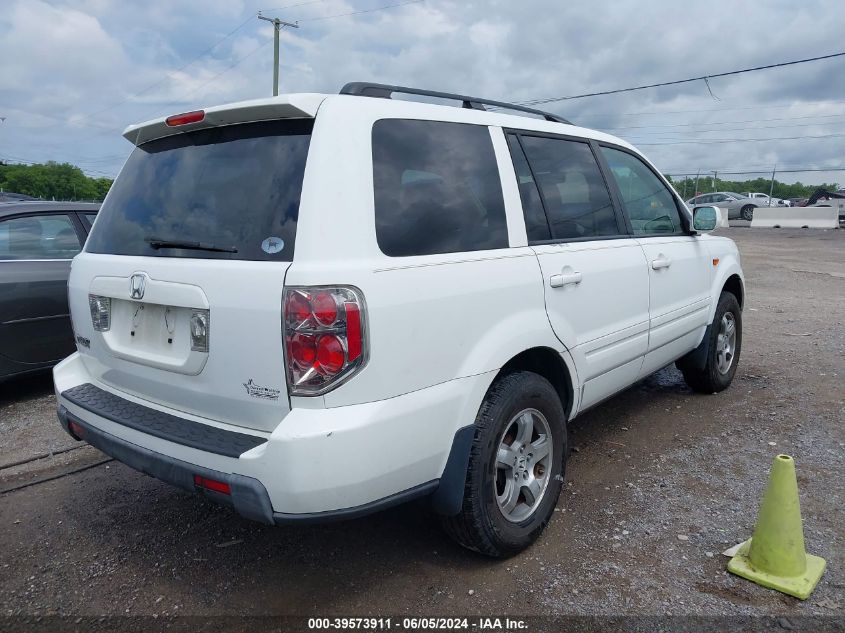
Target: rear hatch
179,288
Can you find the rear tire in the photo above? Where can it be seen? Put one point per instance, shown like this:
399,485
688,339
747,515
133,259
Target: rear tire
747,212
516,467
723,352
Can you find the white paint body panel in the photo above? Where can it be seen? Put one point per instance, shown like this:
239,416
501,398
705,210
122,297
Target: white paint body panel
602,319
244,300
679,297
440,327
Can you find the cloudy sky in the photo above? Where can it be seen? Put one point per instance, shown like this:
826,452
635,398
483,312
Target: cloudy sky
74,73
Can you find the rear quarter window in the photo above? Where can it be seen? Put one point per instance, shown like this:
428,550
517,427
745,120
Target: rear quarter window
437,188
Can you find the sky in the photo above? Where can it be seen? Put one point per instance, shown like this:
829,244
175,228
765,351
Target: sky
74,73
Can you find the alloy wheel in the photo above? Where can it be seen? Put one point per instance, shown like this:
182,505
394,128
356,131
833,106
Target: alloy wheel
523,465
726,343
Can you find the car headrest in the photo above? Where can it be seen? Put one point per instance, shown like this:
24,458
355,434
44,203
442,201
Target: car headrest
25,237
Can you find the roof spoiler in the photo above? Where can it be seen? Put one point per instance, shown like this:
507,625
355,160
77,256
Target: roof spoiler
295,106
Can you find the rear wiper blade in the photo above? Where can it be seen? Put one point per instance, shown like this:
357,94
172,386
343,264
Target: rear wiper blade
157,243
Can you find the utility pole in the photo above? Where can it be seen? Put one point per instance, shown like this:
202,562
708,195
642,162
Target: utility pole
695,186
277,26
715,176
2,120
772,185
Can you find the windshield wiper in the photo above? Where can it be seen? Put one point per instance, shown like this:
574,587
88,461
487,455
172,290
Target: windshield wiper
157,243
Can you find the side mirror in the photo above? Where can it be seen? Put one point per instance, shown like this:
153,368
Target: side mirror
704,218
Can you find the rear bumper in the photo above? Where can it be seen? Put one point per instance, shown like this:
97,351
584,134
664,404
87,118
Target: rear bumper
317,465
248,496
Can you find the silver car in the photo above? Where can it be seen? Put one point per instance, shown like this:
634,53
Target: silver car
738,206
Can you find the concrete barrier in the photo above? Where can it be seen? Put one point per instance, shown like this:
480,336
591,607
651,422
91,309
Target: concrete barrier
722,218
795,218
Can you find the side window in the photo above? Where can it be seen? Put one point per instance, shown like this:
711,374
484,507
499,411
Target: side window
437,188
38,237
648,202
88,219
576,198
536,225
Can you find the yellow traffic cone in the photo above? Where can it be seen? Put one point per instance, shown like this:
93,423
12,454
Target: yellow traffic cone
775,557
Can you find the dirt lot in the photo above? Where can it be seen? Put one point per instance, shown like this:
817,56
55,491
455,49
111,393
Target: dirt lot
661,482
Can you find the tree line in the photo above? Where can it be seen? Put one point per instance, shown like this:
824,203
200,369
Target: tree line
52,181
687,187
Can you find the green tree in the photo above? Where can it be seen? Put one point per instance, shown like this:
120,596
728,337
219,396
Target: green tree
686,187
59,181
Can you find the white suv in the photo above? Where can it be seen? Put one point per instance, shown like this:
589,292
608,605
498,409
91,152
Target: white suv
313,307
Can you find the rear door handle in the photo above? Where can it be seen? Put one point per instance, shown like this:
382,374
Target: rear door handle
661,262
558,281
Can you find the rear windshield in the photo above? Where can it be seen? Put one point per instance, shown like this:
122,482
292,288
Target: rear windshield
225,193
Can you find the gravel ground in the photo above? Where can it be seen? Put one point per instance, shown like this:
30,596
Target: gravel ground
660,482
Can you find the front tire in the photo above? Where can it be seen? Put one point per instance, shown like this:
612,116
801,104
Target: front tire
516,467
725,345
747,212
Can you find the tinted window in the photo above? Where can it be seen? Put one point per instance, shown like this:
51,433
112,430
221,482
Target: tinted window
536,225
576,198
38,237
649,203
235,187
88,219
437,188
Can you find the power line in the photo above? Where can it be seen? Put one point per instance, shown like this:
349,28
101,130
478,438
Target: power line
740,140
674,125
237,62
767,168
231,66
766,171
291,6
344,15
753,107
659,134
194,91
682,81
167,77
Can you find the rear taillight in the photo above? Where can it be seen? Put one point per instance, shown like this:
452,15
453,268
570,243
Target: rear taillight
325,337
100,312
200,322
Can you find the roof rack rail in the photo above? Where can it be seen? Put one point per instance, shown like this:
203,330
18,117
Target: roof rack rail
385,91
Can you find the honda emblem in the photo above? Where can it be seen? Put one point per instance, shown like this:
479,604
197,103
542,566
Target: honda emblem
136,286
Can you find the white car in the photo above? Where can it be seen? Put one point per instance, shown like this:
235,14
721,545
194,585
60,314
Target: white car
766,201
312,307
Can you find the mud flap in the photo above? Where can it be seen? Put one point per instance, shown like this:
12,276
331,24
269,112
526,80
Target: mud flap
448,499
